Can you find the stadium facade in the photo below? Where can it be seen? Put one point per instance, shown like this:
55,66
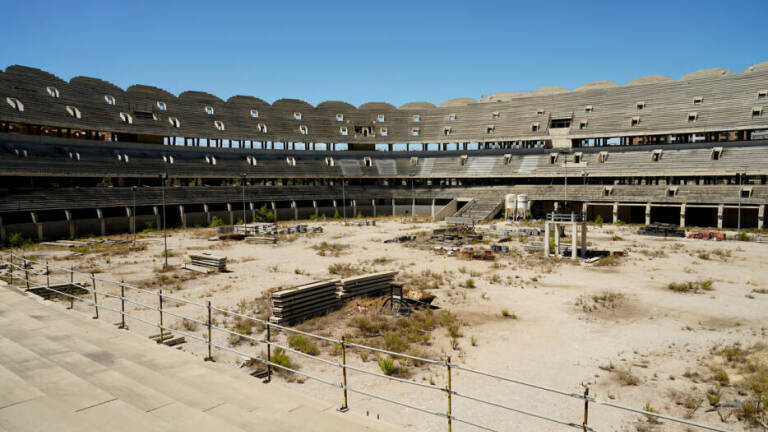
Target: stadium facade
77,157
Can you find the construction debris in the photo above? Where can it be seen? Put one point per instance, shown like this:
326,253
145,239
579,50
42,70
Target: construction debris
261,240
401,239
168,338
366,223
762,238
661,230
707,235
256,228
204,259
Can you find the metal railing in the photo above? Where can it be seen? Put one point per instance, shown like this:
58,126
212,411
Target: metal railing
22,273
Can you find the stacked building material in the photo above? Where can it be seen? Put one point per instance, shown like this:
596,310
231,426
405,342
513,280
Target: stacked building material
762,238
204,259
661,230
257,228
369,284
299,303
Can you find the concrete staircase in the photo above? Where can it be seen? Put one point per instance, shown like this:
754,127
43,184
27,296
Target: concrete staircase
480,209
62,371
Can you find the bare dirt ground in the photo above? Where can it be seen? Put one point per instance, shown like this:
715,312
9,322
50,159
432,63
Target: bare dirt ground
618,329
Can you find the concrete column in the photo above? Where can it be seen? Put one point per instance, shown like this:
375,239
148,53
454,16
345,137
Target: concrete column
393,206
71,223
274,210
314,206
682,215
720,210
546,239
102,222
574,240
557,239
354,208
158,221
252,207
205,210
183,216
295,210
760,217
3,233
432,212
648,213
413,206
231,214
335,208
373,204
556,207
583,240
615,212
584,210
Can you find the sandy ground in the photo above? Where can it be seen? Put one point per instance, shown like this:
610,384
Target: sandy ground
656,333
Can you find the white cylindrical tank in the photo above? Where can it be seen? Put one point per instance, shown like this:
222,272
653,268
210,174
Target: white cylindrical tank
510,204
521,209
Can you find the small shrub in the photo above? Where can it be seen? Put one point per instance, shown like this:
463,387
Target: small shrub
473,340
216,222
691,287
599,220
304,344
188,324
279,357
96,270
469,283
626,377
721,376
507,314
387,366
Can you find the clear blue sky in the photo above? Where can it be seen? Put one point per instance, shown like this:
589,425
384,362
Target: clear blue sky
392,51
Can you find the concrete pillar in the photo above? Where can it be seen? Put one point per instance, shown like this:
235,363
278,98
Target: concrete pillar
314,206
207,212
648,213
583,240
373,204
413,206
231,214
720,210
274,210
584,210
557,239
102,222
432,212
682,215
335,208
3,233
158,221
615,212
574,239
71,224
760,217
295,210
546,239
183,216
393,206
354,208
252,207
556,207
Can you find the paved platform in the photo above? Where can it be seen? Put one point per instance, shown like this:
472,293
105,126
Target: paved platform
63,371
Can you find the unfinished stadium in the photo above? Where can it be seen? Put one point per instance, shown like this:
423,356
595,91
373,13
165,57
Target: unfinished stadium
688,152
397,264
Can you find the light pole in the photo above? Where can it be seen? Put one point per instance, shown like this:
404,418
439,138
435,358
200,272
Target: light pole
413,199
164,176
584,175
242,184
133,213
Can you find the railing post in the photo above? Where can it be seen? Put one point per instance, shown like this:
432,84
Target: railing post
269,354
26,273
160,296
448,389
71,274
12,269
586,408
95,299
122,304
47,276
345,407
210,355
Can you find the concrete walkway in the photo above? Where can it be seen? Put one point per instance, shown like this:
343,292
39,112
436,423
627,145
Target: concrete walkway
63,371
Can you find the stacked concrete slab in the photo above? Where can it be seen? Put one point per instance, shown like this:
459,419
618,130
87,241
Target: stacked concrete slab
365,285
299,303
205,259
